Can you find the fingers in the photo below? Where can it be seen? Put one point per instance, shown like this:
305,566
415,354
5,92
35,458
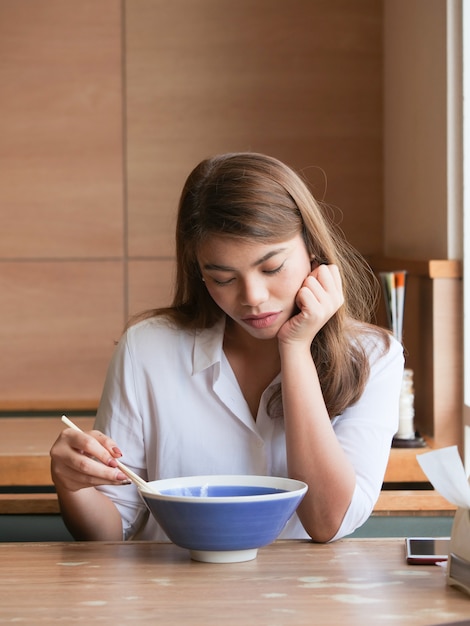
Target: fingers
94,444
320,296
85,459
324,283
327,277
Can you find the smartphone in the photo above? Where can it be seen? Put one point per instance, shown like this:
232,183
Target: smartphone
426,550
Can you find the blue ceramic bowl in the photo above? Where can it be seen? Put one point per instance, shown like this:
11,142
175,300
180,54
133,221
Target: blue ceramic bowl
222,519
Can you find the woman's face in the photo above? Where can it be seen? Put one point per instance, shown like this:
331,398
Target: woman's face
255,284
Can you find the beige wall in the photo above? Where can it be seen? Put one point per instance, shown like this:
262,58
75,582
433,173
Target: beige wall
418,173
106,106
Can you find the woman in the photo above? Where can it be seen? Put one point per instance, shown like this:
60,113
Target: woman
265,363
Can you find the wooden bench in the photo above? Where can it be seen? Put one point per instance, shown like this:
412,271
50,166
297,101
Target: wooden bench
25,463
24,448
412,502
29,504
390,503
25,471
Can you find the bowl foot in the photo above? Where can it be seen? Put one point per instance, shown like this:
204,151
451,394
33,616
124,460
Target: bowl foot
224,556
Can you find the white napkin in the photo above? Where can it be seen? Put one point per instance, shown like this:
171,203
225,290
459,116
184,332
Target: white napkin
446,473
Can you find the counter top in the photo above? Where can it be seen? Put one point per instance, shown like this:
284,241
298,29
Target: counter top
351,582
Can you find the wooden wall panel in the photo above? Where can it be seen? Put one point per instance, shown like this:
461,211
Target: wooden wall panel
420,127
150,284
60,123
61,200
299,79
448,360
59,324
433,342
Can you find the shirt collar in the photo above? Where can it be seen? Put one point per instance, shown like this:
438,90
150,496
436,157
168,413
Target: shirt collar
208,346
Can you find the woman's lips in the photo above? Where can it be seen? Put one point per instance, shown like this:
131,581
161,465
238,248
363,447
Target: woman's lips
261,321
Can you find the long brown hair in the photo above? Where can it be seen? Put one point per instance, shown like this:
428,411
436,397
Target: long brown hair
256,197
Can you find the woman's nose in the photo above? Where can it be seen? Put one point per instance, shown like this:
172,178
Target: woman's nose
254,292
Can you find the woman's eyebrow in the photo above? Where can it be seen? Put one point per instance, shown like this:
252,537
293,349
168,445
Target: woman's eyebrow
226,268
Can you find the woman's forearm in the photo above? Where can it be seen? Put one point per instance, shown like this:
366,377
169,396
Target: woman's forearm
314,454
90,515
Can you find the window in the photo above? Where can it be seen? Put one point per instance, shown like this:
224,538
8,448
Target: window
465,97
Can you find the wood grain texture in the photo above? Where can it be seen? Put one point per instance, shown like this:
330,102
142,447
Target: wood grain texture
24,460
105,108
359,582
429,268
413,502
59,325
300,80
448,361
24,448
150,284
29,504
61,191
61,200
403,467
397,503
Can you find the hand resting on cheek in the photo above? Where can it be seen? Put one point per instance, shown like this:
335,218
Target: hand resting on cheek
318,299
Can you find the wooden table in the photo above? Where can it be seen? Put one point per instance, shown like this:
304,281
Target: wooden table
349,582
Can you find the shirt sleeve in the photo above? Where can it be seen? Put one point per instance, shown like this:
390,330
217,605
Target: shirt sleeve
365,432
119,417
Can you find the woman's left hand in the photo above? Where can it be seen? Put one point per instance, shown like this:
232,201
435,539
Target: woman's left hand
320,296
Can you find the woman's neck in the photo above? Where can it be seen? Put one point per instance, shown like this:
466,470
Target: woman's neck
255,363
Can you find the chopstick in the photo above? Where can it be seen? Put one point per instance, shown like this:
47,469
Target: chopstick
135,478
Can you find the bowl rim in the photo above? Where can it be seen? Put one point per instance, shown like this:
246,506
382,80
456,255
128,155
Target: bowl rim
290,486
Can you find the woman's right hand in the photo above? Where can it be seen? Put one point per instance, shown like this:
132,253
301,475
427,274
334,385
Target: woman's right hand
85,459
318,299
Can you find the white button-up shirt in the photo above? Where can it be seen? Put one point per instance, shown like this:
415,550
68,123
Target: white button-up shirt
173,405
